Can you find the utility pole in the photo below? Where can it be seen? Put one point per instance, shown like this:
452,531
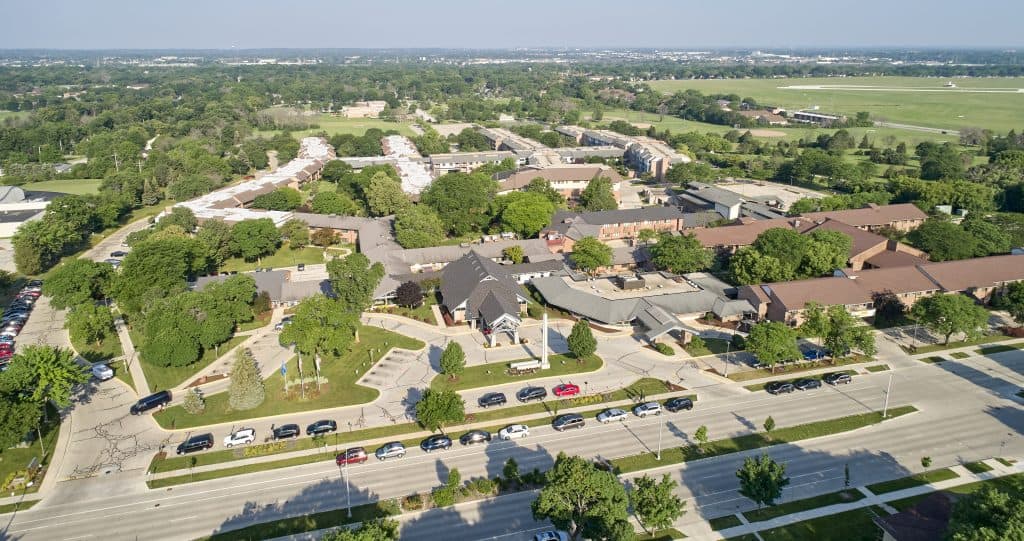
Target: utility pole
661,425
888,391
348,495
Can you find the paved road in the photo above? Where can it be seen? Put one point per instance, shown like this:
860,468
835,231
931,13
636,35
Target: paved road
926,129
983,420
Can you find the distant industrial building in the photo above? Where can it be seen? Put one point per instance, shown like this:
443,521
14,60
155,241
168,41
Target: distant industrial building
810,117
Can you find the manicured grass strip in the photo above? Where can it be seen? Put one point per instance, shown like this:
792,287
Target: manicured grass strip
306,523
854,525
724,523
939,347
959,355
341,389
768,513
256,323
917,480
933,359
794,369
662,535
1005,462
977,467
169,377
1001,348
12,507
712,346
1010,484
239,470
478,376
877,368
757,440
760,386
285,256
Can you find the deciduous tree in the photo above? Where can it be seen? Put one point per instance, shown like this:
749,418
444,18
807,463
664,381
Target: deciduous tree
598,195
384,196
948,314
353,280
333,203
680,254
987,515
523,213
297,233
418,226
762,480
45,374
773,342
252,239
321,326
409,294
77,282
440,407
453,360
461,200
513,253
589,254
582,499
656,503
89,323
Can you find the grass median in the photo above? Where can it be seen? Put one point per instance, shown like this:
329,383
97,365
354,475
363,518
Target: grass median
796,506
487,375
21,506
920,479
756,440
341,389
855,525
307,523
761,386
986,339
795,369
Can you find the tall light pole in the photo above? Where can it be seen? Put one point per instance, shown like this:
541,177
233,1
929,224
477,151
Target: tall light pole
727,346
888,391
661,425
348,494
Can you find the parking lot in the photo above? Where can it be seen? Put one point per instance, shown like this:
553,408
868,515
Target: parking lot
45,326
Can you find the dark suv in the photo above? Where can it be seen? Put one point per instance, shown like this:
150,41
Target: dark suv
679,403
532,393
779,387
147,403
475,436
567,421
287,431
321,427
492,399
433,443
837,378
195,443
807,384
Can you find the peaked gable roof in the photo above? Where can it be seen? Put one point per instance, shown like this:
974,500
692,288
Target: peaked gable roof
473,279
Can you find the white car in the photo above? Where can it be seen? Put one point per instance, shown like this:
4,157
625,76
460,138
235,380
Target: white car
551,535
102,372
511,432
647,408
240,437
284,322
613,414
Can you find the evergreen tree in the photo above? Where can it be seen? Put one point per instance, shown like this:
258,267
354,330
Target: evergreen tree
581,340
246,390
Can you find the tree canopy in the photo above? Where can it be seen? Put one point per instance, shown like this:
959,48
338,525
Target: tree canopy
418,226
252,239
590,254
353,280
461,200
439,407
762,479
78,281
773,342
598,195
582,499
523,213
680,254
321,326
948,314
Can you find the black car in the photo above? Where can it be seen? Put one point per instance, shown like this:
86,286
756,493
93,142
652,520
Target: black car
837,378
433,443
532,393
147,403
807,384
679,403
779,387
195,443
321,427
287,431
475,436
118,253
492,399
567,421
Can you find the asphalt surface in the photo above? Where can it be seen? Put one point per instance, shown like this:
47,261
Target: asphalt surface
968,412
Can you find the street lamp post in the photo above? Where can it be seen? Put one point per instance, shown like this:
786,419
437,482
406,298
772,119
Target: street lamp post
661,425
888,391
727,346
348,494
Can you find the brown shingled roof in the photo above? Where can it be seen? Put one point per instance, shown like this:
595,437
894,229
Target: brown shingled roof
857,288
562,173
872,215
978,272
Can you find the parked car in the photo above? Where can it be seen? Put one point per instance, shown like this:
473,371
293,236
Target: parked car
102,372
512,432
814,355
567,421
241,436
492,399
807,384
435,442
647,408
112,261
354,455
286,431
531,393
118,253
393,449
7,340
678,403
9,333
613,414
322,426
475,436
551,535
837,378
154,400
779,387
566,389
195,443
301,267
284,321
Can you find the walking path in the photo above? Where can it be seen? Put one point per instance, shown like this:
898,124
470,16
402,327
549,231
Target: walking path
131,358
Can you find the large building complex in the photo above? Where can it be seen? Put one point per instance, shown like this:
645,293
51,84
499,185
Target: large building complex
568,180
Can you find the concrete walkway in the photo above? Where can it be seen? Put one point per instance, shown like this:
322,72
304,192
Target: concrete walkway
131,358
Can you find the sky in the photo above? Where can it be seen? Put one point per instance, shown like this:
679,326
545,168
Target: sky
487,24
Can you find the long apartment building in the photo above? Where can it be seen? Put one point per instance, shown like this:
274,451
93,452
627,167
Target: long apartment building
646,154
568,180
569,227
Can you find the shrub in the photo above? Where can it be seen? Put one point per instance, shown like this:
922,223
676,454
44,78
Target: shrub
443,496
483,486
664,349
535,311
264,449
413,502
738,342
194,402
697,343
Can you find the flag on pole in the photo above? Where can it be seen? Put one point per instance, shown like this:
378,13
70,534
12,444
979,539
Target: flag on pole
284,369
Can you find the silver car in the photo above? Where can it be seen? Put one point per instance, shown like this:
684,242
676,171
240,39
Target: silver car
393,449
647,408
609,415
102,372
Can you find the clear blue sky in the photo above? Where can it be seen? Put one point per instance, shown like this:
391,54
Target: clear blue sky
221,24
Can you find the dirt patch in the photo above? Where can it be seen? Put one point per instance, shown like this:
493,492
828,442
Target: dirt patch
767,133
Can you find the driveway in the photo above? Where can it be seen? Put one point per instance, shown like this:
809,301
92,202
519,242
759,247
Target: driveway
45,326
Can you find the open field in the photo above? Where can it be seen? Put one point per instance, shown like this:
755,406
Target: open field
285,256
336,125
993,103
80,186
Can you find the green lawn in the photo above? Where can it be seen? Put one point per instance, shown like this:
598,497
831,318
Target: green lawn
724,523
916,480
986,339
757,373
283,257
712,346
423,312
1001,348
106,350
877,368
79,186
790,434
169,377
933,359
16,459
910,100
855,525
341,389
661,535
256,323
306,523
796,506
334,125
760,386
977,467
962,354
486,375
1010,484
12,507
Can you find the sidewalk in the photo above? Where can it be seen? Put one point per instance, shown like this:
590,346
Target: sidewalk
871,499
131,358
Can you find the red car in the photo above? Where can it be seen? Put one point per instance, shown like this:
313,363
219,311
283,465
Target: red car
566,389
355,455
